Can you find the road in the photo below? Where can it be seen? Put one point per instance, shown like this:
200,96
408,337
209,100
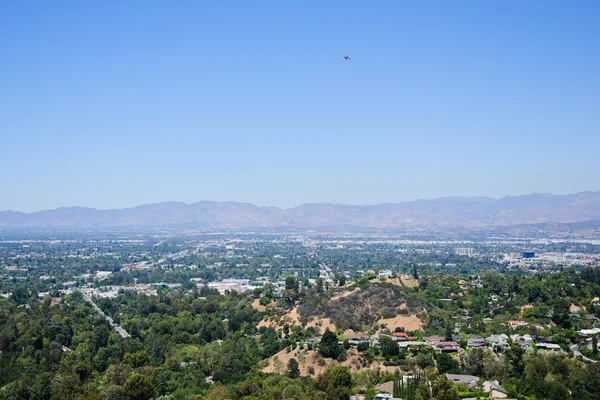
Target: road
576,352
119,329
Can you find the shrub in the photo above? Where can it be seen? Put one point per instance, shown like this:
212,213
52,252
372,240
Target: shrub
362,346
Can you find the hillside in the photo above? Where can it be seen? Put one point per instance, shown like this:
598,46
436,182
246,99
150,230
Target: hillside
442,213
367,306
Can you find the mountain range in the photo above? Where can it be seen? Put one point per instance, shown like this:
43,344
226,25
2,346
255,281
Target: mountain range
441,213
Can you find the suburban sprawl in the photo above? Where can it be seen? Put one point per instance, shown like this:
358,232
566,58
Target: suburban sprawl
297,315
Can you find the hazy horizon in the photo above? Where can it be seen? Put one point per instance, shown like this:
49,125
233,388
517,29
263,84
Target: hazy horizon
299,204
116,105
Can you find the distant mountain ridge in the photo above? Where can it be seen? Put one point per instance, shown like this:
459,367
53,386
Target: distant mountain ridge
441,213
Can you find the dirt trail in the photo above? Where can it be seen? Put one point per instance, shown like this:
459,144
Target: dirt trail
345,294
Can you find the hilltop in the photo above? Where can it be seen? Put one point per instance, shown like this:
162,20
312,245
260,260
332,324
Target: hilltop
360,307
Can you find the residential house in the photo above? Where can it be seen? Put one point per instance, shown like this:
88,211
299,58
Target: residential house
521,338
434,339
447,347
527,346
548,347
469,380
476,344
387,387
498,341
384,396
411,343
386,273
515,323
477,283
589,332
313,341
495,390
354,340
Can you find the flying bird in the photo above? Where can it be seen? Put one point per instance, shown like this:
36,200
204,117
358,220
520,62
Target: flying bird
347,57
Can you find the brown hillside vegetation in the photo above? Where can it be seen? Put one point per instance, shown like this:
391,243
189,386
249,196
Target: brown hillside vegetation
311,358
361,309
344,294
256,304
292,318
409,281
408,322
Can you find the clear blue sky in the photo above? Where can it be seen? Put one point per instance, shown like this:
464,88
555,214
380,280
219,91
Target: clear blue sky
106,104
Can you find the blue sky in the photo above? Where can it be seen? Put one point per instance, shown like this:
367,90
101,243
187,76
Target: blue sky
106,104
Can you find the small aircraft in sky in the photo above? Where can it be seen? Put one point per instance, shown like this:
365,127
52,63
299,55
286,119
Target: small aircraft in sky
347,57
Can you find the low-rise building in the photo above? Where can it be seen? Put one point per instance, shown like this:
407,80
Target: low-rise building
447,347
469,380
495,390
386,273
434,339
548,347
516,323
476,344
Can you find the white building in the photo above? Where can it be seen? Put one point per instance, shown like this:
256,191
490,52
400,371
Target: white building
386,273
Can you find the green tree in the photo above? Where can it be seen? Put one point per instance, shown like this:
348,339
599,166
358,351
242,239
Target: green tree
100,337
139,387
473,362
561,312
293,370
290,283
114,392
41,389
293,392
389,347
15,390
117,374
329,346
443,389
514,358
424,360
336,382
446,363
449,331
424,390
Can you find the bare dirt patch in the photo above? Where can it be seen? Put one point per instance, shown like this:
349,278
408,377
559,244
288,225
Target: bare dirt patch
526,306
256,304
408,322
322,324
574,308
409,281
